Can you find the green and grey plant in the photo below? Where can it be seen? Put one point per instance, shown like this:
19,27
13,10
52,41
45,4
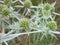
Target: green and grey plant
41,21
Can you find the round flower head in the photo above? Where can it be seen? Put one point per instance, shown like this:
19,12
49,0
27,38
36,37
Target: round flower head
48,6
5,11
7,1
24,23
52,25
27,4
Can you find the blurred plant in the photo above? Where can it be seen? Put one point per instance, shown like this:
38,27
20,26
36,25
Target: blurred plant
34,19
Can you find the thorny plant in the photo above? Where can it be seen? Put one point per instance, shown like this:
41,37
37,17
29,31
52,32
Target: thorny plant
33,19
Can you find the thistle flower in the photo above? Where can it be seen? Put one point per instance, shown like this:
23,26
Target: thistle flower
27,4
7,1
24,23
5,11
48,6
52,25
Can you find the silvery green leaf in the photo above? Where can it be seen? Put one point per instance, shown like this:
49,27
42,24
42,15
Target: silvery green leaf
9,37
15,26
5,42
56,13
53,4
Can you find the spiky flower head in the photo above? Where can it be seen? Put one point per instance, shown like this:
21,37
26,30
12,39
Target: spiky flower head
24,23
48,6
27,4
5,12
52,25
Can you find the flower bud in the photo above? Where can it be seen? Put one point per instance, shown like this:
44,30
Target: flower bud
27,4
24,23
52,25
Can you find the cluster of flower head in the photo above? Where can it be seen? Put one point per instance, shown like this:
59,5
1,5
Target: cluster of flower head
48,10
45,11
27,18
45,16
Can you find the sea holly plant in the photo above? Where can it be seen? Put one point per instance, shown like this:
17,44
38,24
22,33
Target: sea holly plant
31,20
